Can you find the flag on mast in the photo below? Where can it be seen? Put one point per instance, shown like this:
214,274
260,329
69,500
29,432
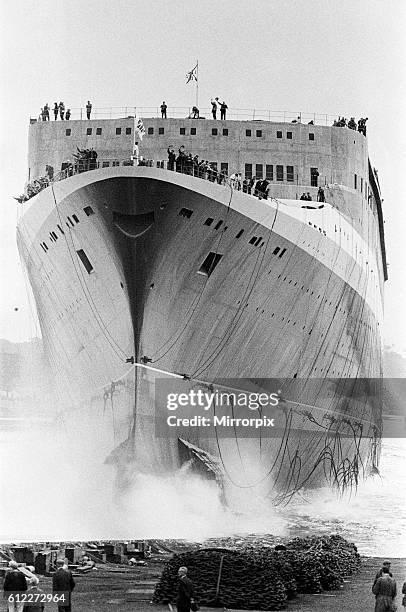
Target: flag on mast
192,75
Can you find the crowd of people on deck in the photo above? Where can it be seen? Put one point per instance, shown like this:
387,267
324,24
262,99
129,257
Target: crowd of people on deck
361,125
59,111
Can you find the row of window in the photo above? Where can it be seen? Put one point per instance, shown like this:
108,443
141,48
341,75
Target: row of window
89,131
281,174
53,236
224,132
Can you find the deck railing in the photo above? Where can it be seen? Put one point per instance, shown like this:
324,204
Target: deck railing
185,112
204,172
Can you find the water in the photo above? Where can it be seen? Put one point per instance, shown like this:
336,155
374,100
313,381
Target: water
56,487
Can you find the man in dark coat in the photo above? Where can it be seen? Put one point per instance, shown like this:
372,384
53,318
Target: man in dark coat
185,591
379,574
63,584
384,590
14,583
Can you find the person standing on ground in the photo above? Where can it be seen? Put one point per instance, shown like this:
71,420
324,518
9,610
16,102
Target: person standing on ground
62,110
34,591
14,584
163,110
379,574
185,591
88,109
63,583
214,108
384,590
223,110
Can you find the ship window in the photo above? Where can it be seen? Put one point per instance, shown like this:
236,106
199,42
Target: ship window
279,173
128,130
209,264
71,222
186,212
269,172
214,131
282,252
276,251
258,133
224,167
105,164
98,131
85,261
314,174
89,131
361,186
259,170
150,130
311,136
253,240
225,131
118,131
289,135
248,171
42,247
208,221
182,131
161,130
355,181
278,134
115,163
193,131
290,174
258,241
54,235
218,225
68,132
60,229
248,132
74,217
240,233
88,210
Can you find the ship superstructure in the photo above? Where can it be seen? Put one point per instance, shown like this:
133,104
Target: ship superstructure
141,272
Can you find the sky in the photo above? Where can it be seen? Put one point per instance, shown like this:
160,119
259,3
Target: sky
324,56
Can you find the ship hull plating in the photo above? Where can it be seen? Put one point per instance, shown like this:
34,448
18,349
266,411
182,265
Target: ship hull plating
284,301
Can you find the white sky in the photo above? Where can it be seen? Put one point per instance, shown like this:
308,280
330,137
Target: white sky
328,56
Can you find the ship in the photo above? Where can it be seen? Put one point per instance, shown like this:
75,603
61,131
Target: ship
145,271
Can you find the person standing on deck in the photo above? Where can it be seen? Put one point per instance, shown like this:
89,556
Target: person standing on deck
223,110
88,109
163,110
62,110
384,590
56,110
214,108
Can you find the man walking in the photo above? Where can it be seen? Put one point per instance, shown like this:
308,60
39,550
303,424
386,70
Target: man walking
163,110
88,109
185,591
14,586
63,585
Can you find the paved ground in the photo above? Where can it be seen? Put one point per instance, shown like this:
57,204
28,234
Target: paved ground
124,589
